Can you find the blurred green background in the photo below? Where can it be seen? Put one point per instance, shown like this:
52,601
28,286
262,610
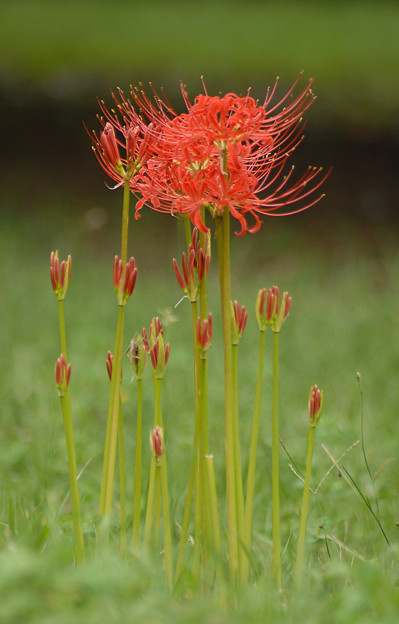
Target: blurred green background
56,57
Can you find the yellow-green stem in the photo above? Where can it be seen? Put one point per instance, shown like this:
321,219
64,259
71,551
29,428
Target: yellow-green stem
113,417
237,462
157,512
249,501
304,511
223,236
203,444
192,475
166,522
276,557
122,484
137,467
150,505
108,474
70,444
125,222
61,318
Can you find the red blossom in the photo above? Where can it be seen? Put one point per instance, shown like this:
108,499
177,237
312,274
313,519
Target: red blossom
223,153
230,153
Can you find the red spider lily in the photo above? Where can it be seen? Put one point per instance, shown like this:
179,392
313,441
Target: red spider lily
60,274
131,135
230,153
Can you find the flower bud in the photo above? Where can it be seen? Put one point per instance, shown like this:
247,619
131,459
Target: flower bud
315,405
239,316
156,444
60,274
62,375
204,335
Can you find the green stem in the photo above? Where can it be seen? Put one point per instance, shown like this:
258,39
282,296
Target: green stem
249,501
70,444
150,504
157,394
113,417
223,236
304,511
61,318
203,445
166,522
187,231
187,512
157,513
276,557
137,467
191,480
107,482
125,222
122,483
237,462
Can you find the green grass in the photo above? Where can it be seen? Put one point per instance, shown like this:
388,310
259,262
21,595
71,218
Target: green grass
69,48
343,320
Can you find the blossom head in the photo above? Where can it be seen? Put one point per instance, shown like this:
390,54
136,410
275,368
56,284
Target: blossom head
230,153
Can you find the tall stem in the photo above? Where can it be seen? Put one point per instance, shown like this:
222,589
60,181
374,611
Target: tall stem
107,483
276,558
70,444
304,511
137,467
237,462
122,482
223,235
249,501
61,319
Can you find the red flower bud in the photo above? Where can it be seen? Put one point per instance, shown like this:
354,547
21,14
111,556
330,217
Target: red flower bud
62,375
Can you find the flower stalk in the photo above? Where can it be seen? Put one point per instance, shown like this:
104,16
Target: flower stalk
315,409
62,377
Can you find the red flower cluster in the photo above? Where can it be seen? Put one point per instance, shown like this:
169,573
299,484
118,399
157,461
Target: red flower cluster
224,153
